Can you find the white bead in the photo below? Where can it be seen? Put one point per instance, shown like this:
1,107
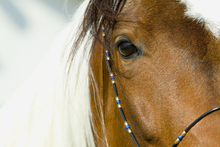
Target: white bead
183,134
177,141
126,123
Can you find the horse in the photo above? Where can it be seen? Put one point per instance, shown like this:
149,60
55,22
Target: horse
162,58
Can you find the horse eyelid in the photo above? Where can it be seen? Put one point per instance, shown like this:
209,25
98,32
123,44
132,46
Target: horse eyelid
120,41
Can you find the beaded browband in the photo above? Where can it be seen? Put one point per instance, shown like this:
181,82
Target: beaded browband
118,102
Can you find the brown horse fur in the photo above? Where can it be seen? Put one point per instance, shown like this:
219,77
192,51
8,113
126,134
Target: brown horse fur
174,81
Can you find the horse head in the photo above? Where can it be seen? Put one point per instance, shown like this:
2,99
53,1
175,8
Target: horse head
166,68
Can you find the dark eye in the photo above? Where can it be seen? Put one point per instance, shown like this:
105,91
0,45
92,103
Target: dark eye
127,50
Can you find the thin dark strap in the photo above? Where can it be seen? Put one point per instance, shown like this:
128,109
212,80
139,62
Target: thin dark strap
118,102
180,137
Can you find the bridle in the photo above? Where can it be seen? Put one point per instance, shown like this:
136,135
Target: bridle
180,137
118,102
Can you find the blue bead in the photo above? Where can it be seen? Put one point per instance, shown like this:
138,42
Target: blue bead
103,30
118,101
112,78
107,54
180,137
127,127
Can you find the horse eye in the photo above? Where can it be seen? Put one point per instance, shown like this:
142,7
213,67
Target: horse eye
127,50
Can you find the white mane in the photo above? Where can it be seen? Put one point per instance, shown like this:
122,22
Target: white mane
48,111
205,11
51,111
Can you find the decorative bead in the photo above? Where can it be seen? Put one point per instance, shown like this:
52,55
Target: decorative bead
118,102
177,141
129,130
108,58
126,123
112,77
128,127
103,30
106,51
180,137
116,98
119,106
111,74
107,54
183,134
113,81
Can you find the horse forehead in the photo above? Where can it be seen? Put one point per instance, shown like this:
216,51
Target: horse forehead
205,11
149,11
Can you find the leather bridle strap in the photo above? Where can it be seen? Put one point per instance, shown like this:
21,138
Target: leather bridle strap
118,102
180,137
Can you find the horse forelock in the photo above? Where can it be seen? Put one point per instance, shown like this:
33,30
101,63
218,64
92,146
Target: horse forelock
99,12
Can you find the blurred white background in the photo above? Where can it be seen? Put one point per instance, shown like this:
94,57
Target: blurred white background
27,28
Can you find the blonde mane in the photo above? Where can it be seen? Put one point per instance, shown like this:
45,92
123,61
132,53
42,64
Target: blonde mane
50,110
